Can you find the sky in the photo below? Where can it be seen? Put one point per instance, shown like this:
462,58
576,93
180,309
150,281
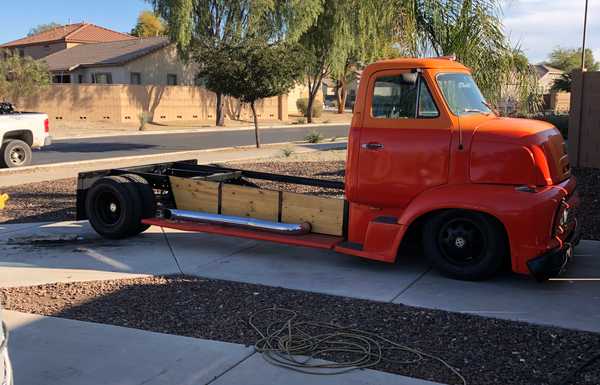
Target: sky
537,26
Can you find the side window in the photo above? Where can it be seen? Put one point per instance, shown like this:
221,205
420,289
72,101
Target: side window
393,98
427,107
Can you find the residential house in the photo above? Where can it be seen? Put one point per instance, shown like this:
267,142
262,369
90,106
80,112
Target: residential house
139,61
546,77
61,38
104,75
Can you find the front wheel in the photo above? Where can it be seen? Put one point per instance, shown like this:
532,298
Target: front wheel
15,153
465,245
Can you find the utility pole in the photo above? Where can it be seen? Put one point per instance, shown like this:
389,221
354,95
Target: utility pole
583,43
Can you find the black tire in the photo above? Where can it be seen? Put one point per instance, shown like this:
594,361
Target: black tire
465,245
114,208
15,153
146,194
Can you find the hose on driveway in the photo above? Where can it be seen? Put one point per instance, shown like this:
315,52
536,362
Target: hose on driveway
295,344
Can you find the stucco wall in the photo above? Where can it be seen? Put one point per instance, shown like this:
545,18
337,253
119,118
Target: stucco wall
153,69
124,103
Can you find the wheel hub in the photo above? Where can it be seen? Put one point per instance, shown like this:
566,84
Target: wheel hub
17,156
460,242
113,207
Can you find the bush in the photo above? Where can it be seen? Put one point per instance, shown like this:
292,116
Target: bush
287,151
314,137
302,106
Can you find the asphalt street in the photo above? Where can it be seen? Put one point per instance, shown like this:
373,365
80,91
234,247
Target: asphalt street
119,146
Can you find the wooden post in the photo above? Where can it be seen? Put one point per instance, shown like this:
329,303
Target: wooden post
575,117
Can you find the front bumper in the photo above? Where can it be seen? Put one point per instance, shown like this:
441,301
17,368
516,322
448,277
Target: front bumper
555,262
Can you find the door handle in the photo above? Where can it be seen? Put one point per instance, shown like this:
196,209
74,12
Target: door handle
372,146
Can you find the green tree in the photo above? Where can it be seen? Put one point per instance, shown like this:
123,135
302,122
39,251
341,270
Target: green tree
200,26
472,30
570,59
43,28
21,76
149,24
368,35
253,70
346,33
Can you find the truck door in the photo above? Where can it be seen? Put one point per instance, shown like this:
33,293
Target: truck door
404,141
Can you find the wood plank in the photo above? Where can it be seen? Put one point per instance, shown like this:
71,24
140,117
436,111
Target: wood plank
195,195
244,201
326,215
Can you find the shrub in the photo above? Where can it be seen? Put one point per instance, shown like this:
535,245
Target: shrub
302,106
143,117
314,137
287,151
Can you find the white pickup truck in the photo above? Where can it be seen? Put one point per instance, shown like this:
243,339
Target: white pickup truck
19,133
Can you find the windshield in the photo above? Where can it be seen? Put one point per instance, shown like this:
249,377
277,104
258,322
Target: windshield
462,94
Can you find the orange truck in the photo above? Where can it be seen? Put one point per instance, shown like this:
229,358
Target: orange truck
428,161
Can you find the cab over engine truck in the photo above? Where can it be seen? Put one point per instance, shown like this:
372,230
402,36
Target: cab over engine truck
427,155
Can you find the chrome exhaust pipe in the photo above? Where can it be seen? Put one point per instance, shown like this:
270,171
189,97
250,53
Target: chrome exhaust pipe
248,223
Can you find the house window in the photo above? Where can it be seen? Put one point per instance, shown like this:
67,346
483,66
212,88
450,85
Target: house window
61,78
102,78
22,52
171,79
80,79
136,78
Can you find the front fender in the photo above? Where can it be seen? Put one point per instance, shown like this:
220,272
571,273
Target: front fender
527,217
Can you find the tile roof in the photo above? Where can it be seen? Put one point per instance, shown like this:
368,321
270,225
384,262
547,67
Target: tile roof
104,54
72,33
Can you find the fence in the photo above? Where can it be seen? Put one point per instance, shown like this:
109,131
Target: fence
124,103
584,120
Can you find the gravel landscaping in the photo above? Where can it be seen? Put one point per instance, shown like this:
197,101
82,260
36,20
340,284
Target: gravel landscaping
484,350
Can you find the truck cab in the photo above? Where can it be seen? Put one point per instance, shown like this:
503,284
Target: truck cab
427,153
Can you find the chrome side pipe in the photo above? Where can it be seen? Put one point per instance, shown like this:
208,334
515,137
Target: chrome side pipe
248,223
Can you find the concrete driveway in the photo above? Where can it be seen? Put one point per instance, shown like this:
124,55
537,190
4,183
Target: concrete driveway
73,352
569,304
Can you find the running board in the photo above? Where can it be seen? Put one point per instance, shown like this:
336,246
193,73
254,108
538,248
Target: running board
319,241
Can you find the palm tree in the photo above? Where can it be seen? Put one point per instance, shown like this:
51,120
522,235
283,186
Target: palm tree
472,31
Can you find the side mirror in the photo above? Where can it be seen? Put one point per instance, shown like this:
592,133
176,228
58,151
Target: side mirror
410,78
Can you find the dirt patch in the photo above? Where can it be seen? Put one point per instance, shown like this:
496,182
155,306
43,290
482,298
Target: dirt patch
588,185
40,202
484,350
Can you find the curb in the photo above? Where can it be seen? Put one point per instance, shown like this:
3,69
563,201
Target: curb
196,130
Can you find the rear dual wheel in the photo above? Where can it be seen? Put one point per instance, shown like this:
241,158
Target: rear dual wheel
116,205
465,245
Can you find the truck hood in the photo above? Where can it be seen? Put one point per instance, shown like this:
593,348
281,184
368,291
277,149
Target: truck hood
535,150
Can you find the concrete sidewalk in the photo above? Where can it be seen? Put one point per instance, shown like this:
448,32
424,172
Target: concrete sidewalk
55,351
569,304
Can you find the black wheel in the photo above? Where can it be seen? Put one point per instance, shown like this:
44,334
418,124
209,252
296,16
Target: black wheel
148,199
114,207
464,245
15,153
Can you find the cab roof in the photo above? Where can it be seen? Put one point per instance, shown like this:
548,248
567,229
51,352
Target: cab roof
437,63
